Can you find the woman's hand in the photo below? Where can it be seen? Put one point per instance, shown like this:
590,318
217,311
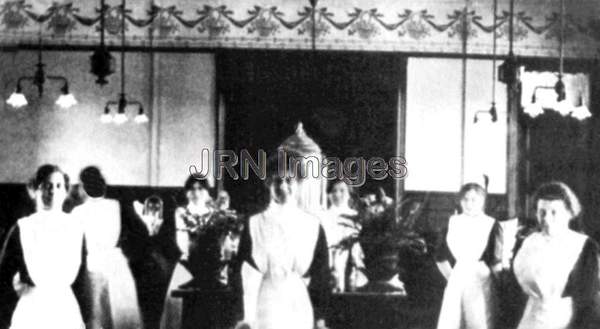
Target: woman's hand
155,226
320,324
445,268
242,325
139,208
20,288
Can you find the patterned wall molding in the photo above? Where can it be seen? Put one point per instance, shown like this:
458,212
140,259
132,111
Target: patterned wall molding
430,26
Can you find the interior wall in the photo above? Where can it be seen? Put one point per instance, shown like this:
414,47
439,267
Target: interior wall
73,138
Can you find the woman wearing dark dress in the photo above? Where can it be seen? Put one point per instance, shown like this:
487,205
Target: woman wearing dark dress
153,263
187,217
284,260
43,256
556,267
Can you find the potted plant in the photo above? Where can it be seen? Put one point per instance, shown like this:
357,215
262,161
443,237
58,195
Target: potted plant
385,230
215,238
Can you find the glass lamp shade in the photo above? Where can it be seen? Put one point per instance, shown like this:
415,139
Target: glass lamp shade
581,112
66,101
534,110
120,118
106,118
141,118
564,107
17,100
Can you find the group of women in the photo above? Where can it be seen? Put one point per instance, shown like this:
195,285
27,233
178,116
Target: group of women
553,270
286,258
49,254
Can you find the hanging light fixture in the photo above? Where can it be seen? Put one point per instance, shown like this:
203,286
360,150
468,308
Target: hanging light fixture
17,99
102,62
122,102
508,71
492,112
562,106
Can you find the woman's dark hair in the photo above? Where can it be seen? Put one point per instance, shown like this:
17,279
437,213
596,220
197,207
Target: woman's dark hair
44,172
471,187
93,182
555,190
351,190
192,180
154,199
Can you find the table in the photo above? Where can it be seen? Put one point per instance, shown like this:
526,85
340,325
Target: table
206,309
215,310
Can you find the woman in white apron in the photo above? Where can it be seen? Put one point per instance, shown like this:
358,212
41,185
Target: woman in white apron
473,245
284,255
112,296
556,267
43,253
198,196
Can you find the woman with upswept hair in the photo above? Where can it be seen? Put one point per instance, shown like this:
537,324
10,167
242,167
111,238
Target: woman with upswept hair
557,267
112,295
284,262
43,255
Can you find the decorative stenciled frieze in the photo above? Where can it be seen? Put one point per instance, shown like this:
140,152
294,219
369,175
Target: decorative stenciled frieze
402,25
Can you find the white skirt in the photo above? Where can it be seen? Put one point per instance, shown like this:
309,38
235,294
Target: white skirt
468,298
114,299
48,308
283,302
555,313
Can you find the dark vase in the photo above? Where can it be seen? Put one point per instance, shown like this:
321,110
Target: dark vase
382,264
206,262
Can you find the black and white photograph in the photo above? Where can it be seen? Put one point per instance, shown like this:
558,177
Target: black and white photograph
299,164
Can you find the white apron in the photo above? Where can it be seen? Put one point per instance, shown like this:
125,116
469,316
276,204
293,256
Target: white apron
467,302
52,247
108,270
542,267
283,243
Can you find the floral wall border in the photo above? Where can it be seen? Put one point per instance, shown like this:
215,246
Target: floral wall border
263,27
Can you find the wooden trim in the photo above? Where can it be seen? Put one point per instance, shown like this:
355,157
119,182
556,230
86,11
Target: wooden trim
401,123
192,49
514,191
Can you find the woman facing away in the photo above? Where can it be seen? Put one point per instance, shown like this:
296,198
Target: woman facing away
44,255
556,267
187,218
286,250
111,288
472,252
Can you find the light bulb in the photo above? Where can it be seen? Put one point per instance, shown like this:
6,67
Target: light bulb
120,118
17,100
66,101
564,107
534,110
